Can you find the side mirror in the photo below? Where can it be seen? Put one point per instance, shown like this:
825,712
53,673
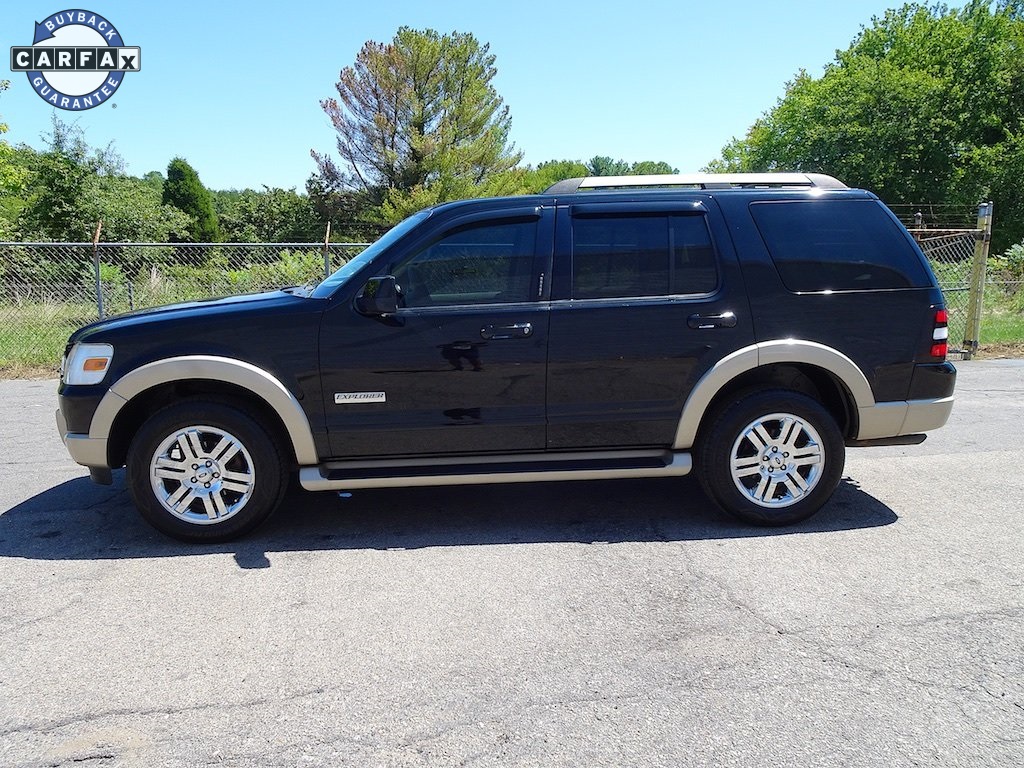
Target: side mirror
379,297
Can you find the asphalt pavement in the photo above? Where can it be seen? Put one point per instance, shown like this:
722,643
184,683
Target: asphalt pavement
616,623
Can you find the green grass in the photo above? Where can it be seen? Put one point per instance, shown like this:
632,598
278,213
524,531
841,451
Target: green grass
1002,319
32,336
1002,327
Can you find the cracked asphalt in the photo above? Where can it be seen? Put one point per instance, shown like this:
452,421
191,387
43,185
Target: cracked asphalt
620,623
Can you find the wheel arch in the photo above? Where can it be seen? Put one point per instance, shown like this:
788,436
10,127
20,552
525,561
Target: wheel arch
790,363
134,396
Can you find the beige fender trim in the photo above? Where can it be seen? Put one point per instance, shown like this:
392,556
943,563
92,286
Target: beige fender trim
245,375
768,353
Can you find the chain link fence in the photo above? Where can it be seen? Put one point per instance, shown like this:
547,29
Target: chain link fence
957,249
951,255
47,290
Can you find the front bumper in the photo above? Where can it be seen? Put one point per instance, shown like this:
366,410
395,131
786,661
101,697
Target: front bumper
87,451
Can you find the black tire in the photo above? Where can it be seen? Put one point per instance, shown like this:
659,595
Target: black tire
222,494
807,450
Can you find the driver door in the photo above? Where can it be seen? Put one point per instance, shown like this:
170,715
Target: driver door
461,366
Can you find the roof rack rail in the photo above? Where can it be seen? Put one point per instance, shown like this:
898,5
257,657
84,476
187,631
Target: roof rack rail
699,180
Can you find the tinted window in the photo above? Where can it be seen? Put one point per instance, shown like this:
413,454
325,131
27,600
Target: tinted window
393,235
630,255
837,245
476,264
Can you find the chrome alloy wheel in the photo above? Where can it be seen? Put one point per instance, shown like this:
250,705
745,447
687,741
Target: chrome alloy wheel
202,475
777,460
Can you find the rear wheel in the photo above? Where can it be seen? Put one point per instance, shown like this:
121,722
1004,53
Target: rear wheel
771,458
205,471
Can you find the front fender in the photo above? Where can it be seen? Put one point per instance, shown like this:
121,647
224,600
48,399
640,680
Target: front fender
238,372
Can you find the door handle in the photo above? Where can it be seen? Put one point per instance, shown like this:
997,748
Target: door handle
723,320
515,331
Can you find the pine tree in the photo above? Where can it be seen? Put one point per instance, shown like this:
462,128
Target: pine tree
186,192
418,122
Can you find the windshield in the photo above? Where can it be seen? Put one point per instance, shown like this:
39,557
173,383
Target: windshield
356,263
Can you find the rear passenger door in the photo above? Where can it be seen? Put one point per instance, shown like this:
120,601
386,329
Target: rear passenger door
646,298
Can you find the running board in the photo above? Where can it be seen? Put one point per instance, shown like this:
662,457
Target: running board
479,470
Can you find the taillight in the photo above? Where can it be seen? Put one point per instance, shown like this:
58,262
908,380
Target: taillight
940,334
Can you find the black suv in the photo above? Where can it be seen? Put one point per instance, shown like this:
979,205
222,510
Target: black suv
746,326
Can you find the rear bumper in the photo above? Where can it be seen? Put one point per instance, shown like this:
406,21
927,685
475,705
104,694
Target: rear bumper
927,407
904,417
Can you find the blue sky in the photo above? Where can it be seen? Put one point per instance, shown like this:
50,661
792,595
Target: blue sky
235,88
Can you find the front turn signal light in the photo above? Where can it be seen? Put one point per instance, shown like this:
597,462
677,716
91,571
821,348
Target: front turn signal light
87,363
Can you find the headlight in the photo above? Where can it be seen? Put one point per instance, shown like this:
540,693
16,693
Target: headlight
87,363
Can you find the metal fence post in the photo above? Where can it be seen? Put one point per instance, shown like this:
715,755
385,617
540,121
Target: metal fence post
327,252
983,237
96,268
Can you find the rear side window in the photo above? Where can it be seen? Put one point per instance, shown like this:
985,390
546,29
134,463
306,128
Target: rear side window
837,245
641,255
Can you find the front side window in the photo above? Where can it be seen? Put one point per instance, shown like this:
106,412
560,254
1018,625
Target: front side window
480,263
617,256
354,265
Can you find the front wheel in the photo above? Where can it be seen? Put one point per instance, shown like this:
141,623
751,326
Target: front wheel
771,458
205,471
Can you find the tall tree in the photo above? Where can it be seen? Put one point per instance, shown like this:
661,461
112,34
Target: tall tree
186,192
603,165
56,203
13,180
418,122
925,106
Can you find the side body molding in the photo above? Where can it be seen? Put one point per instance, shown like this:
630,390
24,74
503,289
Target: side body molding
767,353
238,372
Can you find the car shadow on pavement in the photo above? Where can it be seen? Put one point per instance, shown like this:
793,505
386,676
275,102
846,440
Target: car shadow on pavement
78,520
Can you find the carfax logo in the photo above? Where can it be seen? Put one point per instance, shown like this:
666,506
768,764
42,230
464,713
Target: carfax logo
77,60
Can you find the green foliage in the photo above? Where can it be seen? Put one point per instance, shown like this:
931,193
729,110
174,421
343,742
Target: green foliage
4,85
61,193
398,204
183,190
13,180
547,173
168,282
651,168
54,196
132,212
353,215
602,165
418,120
272,215
291,268
535,180
1008,266
925,106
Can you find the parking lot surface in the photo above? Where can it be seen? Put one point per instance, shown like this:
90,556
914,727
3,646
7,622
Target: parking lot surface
581,624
